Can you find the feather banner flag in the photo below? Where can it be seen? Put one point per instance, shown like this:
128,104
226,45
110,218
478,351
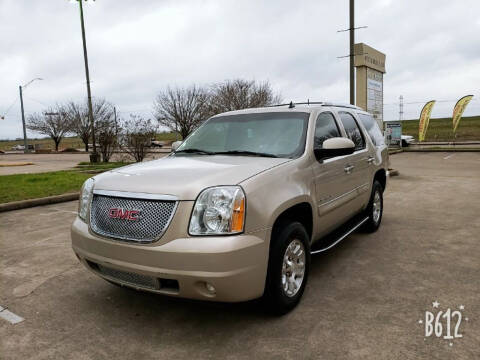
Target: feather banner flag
424,120
459,109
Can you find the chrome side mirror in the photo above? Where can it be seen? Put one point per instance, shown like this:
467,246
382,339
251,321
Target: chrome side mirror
337,146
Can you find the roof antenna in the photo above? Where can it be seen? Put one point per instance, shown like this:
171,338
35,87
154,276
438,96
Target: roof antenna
292,105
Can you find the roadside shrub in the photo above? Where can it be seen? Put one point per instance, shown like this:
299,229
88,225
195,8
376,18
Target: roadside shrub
136,136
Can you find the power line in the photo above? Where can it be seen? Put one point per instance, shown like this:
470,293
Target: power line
10,107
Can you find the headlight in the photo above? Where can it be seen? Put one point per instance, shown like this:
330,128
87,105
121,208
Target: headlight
218,211
84,200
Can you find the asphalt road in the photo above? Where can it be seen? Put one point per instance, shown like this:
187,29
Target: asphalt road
56,162
364,298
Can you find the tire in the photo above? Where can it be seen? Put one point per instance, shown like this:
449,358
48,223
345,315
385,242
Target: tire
374,210
289,249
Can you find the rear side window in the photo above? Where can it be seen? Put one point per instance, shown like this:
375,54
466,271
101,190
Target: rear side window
352,130
372,128
325,128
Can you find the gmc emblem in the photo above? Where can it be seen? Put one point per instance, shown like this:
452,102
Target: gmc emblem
119,213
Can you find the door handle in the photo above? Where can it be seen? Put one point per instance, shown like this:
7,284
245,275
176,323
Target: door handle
370,159
348,169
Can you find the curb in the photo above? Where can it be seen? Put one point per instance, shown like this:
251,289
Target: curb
443,150
23,204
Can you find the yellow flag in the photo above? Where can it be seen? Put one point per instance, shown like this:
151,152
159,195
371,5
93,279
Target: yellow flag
424,120
458,110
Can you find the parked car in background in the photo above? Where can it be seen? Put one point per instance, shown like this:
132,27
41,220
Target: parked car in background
407,140
236,211
19,147
156,143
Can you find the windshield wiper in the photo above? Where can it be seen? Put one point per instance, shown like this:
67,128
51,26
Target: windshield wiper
195,151
245,152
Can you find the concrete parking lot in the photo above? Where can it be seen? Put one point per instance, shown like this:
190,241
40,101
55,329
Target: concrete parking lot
364,298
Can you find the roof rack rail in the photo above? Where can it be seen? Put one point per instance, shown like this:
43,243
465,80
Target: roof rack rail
292,104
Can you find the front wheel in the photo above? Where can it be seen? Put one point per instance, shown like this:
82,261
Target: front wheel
374,209
288,267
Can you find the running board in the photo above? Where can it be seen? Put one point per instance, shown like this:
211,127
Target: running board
338,235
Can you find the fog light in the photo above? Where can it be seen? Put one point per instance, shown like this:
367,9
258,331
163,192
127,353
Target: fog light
210,288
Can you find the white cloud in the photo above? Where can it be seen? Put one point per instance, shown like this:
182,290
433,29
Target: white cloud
138,47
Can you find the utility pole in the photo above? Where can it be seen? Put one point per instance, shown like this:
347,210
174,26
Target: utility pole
20,88
94,157
400,113
115,119
352,55
25,149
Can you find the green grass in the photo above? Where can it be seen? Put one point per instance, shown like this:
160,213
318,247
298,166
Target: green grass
84,165
70,142
31,186
168,136
441,129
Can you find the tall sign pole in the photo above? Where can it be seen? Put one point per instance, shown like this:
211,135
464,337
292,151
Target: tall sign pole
352,56
94,156
25,150
370,64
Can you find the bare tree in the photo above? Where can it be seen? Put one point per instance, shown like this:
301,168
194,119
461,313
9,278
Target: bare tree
182,109
80,124
78,115
53,123
241,94
107,131
137,136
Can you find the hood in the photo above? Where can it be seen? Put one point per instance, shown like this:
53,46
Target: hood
184,176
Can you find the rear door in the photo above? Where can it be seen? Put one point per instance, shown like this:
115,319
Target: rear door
358,164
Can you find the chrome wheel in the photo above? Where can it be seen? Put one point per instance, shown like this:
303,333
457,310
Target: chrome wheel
293,268
377,207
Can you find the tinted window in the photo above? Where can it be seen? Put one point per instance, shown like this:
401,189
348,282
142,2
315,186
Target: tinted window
372,128
352,130
325,128
277,133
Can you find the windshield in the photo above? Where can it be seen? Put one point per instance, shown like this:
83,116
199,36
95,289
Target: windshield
271,134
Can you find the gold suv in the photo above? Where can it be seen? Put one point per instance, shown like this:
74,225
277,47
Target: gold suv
238,208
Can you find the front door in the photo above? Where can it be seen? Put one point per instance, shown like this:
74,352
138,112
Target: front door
333,185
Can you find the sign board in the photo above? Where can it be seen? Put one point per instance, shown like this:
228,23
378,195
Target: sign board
393,133
370,65
375,94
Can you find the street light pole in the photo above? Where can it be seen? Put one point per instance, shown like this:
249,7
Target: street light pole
94,157
352,42
25,149
20,88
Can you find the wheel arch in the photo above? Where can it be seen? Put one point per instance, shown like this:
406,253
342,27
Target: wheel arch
381,177
301,211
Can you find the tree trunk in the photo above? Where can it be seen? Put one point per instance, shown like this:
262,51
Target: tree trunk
57,142
86,147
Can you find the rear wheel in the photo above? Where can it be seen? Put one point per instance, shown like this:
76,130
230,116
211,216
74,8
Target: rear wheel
374,209
288,267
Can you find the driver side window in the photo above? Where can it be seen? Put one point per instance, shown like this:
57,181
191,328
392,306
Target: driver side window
325,128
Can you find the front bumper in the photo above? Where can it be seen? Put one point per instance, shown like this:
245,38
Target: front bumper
235,266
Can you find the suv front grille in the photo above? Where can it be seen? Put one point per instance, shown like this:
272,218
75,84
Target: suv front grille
130,219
